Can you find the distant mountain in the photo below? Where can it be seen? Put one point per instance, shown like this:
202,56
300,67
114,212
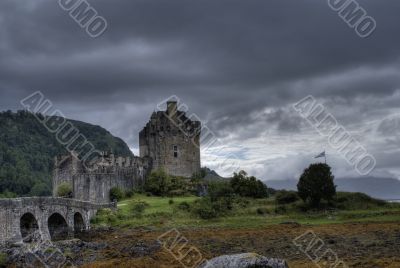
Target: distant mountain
27,150
210,175
382,188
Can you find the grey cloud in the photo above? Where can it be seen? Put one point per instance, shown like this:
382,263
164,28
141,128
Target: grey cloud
228,60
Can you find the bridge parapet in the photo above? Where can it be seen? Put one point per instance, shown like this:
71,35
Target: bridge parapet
51,217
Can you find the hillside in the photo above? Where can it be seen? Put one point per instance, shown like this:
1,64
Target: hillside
27,150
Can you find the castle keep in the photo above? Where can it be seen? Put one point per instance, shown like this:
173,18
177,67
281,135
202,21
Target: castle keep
170,141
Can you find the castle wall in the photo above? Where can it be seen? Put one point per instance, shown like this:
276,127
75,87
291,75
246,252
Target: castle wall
94,184
65,168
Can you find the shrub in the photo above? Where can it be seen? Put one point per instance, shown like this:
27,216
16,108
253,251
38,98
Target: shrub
262,211
129,193
356,201
8,194
64,190
220,189
280,209
116,194
138,208
316,183
205,209
286,197
171,201
184,205
104,215
177,192
242,202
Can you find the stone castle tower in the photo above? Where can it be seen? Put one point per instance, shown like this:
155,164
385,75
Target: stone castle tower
172,141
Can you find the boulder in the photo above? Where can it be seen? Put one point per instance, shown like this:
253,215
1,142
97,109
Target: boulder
244,260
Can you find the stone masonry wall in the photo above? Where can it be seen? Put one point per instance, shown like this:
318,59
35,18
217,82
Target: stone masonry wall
171,140
11,211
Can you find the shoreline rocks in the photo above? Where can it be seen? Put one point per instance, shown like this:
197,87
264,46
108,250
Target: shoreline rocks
244,260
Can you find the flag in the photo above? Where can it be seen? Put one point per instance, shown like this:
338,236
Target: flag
320,155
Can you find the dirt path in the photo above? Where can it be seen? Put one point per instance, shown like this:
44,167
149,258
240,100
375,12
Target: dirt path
363,245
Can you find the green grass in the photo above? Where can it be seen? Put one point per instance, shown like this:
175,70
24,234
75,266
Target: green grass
160,213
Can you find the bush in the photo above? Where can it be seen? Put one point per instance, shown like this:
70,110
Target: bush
184,206
280,209
105,215
116,194
8,194
171,201
205,209
242,202
64,190
220,189
286,197
177,192
129,193
356,201
138,208
262,211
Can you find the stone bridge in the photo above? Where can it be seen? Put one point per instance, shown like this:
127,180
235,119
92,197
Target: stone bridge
51,218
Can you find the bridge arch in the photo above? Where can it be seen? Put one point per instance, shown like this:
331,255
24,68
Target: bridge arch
79,223
29,227
58,227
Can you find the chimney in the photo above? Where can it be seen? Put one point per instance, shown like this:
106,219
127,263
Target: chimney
171,108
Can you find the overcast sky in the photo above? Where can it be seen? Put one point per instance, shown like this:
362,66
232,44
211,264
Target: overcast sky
237,64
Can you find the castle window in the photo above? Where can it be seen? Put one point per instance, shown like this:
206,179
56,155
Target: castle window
175,151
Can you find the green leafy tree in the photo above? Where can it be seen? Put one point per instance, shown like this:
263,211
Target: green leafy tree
40,189
159,183
246,186
316,183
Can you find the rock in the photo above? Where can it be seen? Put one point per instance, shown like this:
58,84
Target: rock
244,260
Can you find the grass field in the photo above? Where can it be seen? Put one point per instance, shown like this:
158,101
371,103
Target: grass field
161,212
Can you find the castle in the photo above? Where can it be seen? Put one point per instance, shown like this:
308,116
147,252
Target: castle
169,141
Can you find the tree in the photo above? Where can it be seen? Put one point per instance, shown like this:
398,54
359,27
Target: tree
40,189
316,183
244,185
158,183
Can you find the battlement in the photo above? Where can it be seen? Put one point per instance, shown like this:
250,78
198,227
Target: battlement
94,182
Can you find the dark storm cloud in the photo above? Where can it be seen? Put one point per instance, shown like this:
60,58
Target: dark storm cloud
237,64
